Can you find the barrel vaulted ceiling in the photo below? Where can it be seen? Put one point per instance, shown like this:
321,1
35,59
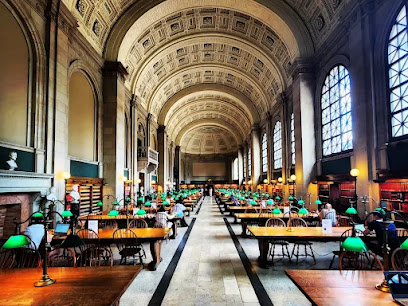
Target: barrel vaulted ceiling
207,67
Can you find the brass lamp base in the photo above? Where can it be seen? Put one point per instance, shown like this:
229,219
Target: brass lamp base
44,281
290,229
383,287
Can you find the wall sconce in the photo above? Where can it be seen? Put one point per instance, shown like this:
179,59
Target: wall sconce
293,177
249,182
153,182
138,181
280,179
244,182
354,173
265,181
65,175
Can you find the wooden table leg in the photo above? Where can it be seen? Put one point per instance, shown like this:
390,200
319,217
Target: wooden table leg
244,225
155,249
235,217
263,250
173,229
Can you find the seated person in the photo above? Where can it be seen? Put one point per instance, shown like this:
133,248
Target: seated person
178,210
162,218
328,213
35,232
377,226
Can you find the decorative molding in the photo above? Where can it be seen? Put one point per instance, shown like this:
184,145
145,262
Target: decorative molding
19,181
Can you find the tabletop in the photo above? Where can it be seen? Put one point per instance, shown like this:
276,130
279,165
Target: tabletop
298,232
270,215
74,286
333,287
141,233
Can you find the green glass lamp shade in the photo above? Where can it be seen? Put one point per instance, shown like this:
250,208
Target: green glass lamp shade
115,203
269,202
301,202
140,199
16,241
241,198
380,210
66,214
128,199
404,245
113,213
303,211
277,198
166,203
252,202
141,212
38,214
100,204
276,211
318,202
148,204
291,198
351,211
354,244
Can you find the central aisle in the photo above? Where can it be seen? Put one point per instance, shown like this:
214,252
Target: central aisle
210,270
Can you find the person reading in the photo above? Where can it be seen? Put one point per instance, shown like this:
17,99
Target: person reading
328,213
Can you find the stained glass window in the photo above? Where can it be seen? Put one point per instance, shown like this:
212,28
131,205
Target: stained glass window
398,75
277,146
292,138
264,153
336,112
249,162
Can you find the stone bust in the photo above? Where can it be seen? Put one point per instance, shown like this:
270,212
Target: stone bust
12,161
51,194
75,194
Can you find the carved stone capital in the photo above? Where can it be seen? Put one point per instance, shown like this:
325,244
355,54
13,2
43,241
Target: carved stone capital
301,66
115,68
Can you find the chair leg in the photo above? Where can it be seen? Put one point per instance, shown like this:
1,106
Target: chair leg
332,261
288,254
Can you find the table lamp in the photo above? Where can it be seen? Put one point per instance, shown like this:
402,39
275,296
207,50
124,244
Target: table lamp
351,211
113,213
276,211
148,204
253,203
99,204
15,242
354,244
141,212
404,245
66,214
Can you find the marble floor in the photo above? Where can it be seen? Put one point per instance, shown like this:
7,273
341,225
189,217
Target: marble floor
210,271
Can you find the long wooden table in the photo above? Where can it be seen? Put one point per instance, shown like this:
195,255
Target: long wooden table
74,286
265,234
122,220
333,287
154,236
261,218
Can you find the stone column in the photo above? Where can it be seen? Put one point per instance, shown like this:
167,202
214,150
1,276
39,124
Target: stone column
133,142
114,94
177,167
162,148
305,138
256,156
240,165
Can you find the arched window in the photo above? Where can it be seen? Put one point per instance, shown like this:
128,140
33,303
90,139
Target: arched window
277,146
249,162
398,75
336,112
292,138
245,166
264,153
235,176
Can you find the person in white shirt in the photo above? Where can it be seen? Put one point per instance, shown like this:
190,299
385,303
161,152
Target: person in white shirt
328,213
36,233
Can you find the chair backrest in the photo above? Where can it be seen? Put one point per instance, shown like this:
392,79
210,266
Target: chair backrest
7,258
343,221
27,258
138,223
297,222
61,257
89,237
95,256
359,261
275,222
399,260
108,224
125,238
80,224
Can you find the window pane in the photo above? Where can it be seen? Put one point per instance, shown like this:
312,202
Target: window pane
336,112
292,138
277,146
398,75
264,153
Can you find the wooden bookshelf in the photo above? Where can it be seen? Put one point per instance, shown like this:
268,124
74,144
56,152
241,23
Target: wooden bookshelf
90,191
395,193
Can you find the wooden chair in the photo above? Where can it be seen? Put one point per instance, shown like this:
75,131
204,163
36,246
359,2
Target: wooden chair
7,258
345,234
299,222
27,258
138,223
293,215
128,245
399,260
95,256
359,261
89,237
108,224
277,222
61,257
343,221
